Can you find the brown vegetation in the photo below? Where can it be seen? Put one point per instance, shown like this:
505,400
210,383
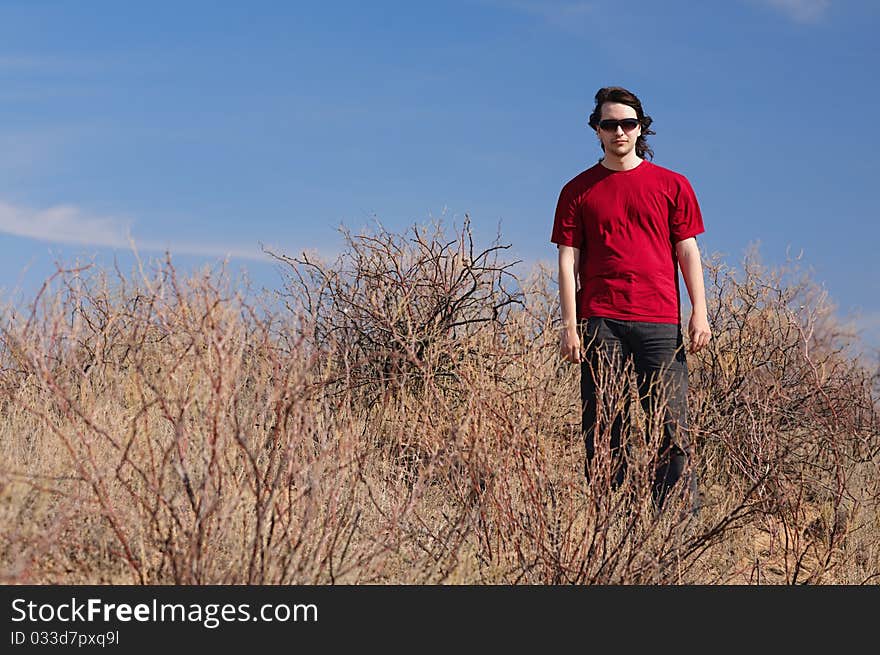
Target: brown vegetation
405,417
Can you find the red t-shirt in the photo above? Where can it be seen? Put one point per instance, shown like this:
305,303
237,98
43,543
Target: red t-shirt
626,225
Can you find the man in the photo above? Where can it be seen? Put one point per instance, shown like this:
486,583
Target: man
623,227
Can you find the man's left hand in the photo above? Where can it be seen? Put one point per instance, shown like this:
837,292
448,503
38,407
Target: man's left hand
699,332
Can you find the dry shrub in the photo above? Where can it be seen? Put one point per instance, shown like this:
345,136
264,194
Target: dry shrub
185,440
406,418
400,308
787,418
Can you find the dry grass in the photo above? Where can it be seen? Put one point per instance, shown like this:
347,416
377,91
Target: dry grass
406,419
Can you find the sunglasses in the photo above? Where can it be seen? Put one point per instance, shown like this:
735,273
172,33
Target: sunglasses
627,124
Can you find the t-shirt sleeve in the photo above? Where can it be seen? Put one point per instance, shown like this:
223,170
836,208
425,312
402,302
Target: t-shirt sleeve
567,225
686,220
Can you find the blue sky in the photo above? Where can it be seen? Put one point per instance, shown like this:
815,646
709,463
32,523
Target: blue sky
212,127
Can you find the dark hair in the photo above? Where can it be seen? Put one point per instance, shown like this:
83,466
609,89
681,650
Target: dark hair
624,97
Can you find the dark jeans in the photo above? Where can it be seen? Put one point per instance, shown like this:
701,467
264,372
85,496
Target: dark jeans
658,355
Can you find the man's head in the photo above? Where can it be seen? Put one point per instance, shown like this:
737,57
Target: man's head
613,119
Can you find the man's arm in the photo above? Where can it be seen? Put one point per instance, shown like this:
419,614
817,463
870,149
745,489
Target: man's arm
688,254
569,340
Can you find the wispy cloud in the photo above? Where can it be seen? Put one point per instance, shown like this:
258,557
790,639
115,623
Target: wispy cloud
64,224
71,225
801,11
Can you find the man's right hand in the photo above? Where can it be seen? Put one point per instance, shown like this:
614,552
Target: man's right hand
570,345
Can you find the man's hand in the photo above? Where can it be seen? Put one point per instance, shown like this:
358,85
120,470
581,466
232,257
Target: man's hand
570,345
699,332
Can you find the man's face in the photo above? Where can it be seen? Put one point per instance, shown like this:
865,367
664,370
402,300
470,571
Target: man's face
618,142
